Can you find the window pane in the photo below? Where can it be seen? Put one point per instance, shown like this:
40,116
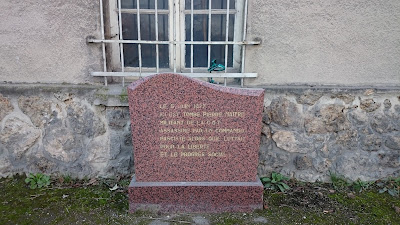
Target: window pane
200,33
218,23
197,4
200,27
131,55
215,4
163,27
129,26
164,56
200,56
218,53
221,4
147,31
147,28
144,4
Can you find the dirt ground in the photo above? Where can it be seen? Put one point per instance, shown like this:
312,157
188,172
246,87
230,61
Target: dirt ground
99,201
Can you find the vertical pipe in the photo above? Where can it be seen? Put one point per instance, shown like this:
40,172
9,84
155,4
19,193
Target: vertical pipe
244,39
226,38
157,51
209,34
174,28
191,35
121,45
103,45
139,38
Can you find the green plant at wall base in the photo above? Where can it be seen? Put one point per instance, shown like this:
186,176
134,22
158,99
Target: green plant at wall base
37,180
392,187
67,179
275,182
360,185
339,183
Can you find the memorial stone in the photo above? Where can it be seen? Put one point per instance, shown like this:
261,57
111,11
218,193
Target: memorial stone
195,145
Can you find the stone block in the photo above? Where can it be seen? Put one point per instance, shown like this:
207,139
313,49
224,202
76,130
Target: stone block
195,145
369,105
393,142
327,119
302,162
346,98
179,134
382,124
214,197
5,107
292,141
82,120
37,108
283,112
18,136
309,97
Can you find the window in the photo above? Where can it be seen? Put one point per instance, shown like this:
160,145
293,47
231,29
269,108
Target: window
181,36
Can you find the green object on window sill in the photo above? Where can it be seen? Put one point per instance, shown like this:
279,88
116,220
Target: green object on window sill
216,67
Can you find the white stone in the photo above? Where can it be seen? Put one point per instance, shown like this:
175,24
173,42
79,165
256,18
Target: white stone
18,136
287,140
59,147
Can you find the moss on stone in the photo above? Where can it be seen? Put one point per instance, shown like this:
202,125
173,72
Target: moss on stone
123,97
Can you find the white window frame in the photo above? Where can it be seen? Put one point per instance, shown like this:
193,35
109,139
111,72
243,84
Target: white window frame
176,33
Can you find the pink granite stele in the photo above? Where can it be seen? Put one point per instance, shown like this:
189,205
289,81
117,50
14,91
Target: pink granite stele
195,145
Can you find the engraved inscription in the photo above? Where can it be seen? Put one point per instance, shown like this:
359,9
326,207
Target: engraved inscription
202,139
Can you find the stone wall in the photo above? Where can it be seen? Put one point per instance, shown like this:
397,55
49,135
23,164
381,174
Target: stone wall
309,133
58,130
84,130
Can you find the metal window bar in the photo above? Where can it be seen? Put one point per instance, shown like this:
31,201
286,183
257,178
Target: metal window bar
186,11
103,45
213,11
175,10
191,35
139,37
157,50
146,11
209,35
176,42
244,38
121,45
144,74
226,38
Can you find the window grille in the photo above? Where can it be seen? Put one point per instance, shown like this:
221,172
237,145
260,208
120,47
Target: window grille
183,36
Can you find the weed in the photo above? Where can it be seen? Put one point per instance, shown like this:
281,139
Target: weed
360,185
276,182
339,182
65,179
391,186
37,180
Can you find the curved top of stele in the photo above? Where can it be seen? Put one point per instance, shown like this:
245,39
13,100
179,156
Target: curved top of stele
169,76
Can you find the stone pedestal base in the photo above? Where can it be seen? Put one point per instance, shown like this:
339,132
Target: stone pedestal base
195,196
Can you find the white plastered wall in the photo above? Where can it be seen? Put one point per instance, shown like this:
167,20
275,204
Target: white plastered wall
45,41
339,42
